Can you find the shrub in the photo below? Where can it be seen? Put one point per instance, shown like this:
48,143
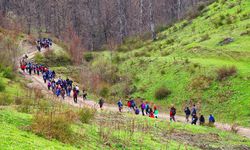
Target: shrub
162,93
8,73
200,83
86,114
225,72
52,59
2,86
51,126
26,105
5,99
104,92
39,58
88,57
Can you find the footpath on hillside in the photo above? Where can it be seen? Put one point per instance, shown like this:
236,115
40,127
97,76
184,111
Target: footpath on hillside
38,82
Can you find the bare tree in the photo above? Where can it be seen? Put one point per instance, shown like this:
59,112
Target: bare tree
152,20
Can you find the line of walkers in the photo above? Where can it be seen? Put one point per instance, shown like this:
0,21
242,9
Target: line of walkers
144,108
43,43
60,87
153,112
195,118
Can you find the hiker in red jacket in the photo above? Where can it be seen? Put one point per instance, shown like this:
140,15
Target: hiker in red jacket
129,105
172,113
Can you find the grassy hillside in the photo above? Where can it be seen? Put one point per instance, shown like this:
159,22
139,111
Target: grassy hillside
105,134
203,61
188,59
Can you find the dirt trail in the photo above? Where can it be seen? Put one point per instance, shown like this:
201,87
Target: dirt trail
38,82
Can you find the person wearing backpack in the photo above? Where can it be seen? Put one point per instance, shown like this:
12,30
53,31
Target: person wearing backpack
101,102
143,106
151,113
44,77
211,119
172,113
194,119
49,85
202,120
187,112
84,94
120,105
194,110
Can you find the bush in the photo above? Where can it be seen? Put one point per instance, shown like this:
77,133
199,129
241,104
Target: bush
51,126
88,57
200,83
2,86
104,92
162,93
5,100
8,73
52,59
25,105
225,72
86,114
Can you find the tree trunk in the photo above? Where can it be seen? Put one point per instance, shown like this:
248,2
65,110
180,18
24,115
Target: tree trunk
152,21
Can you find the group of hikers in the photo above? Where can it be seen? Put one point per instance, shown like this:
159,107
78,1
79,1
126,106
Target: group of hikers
60,87
145,108
64,87
43,43
152,111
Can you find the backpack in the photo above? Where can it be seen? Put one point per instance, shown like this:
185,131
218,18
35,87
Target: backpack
173,110
137,111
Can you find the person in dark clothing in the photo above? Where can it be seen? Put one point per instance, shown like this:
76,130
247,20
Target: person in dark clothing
84,94
194,110
194,119
120,105
187,112
202,120
172,113
75,96
101,102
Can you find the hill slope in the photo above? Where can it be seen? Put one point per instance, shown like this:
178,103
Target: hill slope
188,59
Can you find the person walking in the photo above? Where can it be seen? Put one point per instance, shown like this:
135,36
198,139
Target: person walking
120,105
143,106
172,113
202,120
187,112
194,110
156,112
211,119
194,119
101,102
63,93
151,113
75,96
84,94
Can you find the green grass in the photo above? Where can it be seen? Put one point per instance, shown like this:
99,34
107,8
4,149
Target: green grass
13,137
149,134
182,56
